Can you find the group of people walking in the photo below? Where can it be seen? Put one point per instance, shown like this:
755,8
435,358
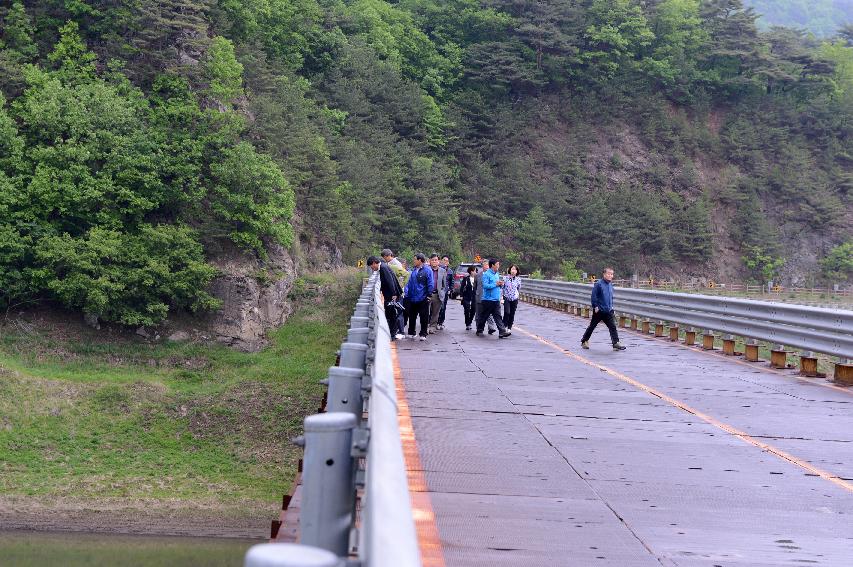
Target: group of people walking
419,295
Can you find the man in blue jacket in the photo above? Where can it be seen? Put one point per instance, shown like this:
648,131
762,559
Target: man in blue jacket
419,291
490,306
602,310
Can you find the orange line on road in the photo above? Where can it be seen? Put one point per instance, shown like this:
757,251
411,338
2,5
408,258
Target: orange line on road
428,539
743,436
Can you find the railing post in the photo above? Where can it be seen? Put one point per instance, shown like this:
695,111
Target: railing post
690,336
708,340
673,333
362,309
353,355
844,373
358,335
290,555
808,364
345,390
327,483
729,345
751,351
779,357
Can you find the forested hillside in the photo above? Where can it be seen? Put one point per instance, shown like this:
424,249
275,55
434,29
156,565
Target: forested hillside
824,18
668,137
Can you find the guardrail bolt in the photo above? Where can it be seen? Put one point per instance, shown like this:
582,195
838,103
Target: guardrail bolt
708,340
290,555
750,352
844,373
779,358
673,333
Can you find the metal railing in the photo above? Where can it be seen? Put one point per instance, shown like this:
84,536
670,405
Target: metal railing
356,508
811,329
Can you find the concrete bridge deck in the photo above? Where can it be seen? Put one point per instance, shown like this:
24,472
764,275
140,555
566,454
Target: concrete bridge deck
531,451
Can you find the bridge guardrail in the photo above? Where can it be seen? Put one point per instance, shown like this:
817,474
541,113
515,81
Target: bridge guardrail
812,329
350,460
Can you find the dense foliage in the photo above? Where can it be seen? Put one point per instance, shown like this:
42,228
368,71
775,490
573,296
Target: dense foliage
668,135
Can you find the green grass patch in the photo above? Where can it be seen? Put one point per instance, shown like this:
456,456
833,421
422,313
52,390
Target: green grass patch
84,417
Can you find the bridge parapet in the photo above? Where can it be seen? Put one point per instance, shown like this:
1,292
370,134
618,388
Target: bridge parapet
356,508
809,329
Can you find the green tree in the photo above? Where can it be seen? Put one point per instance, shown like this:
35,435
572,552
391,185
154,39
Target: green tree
223,72
616,34
838,263
536,242
762,264
132,279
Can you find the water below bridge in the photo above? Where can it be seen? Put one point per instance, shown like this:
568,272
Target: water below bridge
531,451
40,549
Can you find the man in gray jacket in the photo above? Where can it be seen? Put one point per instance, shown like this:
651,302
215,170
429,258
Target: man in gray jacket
438,295
479,305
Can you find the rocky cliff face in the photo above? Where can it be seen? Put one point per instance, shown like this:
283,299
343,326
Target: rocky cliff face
254,294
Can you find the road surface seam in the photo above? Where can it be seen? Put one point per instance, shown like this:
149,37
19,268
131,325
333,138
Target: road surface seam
562,456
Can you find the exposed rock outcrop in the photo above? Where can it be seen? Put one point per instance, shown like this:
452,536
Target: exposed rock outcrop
254,296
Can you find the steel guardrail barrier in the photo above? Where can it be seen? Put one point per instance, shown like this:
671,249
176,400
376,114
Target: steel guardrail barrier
349,459
812,329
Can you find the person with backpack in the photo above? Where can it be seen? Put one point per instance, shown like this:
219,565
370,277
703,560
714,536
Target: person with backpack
391,293
602,310
419,291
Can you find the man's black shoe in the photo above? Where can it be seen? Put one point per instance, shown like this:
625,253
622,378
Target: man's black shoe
492,331
504,335
479,333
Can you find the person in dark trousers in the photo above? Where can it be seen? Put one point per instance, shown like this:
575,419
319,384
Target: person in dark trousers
419,291
478,305
510,293
468,293
602,310
439,292
491,303
445,263
391,292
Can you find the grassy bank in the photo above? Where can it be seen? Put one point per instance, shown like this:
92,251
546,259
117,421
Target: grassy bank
86,417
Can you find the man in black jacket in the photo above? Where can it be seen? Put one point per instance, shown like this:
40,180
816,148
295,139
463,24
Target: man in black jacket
391,293
468,292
